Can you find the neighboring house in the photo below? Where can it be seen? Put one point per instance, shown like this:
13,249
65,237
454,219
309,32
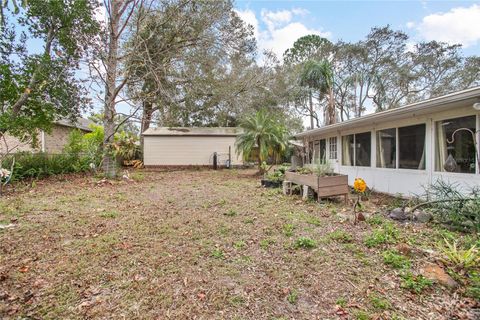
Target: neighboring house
52,142
190,146
399,151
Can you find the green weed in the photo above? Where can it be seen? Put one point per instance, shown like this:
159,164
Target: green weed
386,234
292,297
414,283
312,220
305,242
340,236
218,254
240,244
395,260
375,220
379,303
265,243
288,229
109,214
230,213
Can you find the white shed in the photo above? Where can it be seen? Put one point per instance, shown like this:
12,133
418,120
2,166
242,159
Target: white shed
181,146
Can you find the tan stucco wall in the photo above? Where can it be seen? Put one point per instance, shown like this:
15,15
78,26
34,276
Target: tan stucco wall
188,150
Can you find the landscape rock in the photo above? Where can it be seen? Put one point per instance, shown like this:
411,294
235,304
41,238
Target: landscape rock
435,273
398,214
404,249
422,216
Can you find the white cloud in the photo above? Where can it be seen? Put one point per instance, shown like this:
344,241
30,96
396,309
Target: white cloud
281,28
459,25
410,24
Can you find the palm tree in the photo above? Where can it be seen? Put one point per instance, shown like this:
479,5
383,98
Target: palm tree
319,76
262,136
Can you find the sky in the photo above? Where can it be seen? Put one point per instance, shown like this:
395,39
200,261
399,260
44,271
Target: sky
278,24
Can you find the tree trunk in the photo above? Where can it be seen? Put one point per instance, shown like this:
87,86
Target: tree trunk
331,108
109,162
310,101
146,119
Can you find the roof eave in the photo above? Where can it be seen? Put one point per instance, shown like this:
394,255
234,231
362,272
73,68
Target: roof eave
380,116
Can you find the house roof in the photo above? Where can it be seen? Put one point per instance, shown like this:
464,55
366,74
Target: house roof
193,131
81,123
441,103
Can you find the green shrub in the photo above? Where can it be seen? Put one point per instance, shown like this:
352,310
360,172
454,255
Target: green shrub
453,206
40,165
460,258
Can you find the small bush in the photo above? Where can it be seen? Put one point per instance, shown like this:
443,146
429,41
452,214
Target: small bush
473,289
396,260
460,258
305,242
453,207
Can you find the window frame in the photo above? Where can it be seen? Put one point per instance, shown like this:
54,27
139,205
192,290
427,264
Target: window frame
396,148
354,149
435,120
332,148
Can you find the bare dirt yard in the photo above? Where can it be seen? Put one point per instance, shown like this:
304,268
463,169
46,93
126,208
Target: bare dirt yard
212,245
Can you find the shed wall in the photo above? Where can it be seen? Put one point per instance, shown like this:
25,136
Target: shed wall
188,150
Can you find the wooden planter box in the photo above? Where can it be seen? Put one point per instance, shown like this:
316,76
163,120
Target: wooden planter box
327,186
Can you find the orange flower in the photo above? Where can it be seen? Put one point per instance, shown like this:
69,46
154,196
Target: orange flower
359,185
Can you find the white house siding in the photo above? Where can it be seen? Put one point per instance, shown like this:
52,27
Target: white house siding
404,182
188,150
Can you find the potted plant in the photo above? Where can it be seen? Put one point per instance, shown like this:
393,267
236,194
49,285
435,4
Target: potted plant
274,179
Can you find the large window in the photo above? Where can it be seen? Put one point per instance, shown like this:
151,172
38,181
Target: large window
347,150
356,149
333,148
363,149
455,153
319,150
387,148
323,149
411,149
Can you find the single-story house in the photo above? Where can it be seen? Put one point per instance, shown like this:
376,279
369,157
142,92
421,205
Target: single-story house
52,142
403,150
181,146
